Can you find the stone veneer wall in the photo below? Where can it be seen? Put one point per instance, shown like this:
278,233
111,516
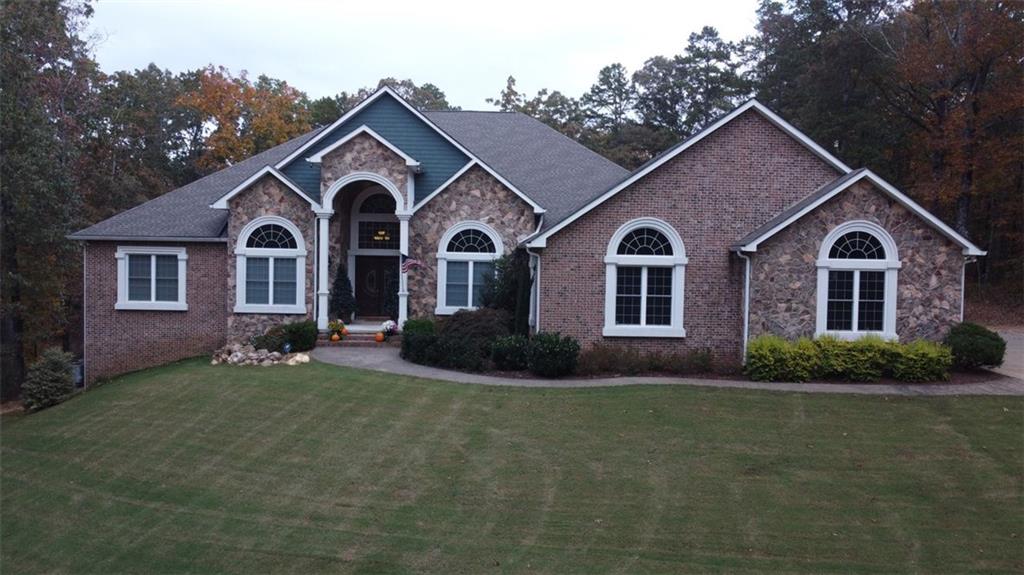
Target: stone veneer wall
784,273
363,153
712,194
267,197
478,196
119,341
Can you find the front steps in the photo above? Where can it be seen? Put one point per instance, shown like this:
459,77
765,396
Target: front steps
360,334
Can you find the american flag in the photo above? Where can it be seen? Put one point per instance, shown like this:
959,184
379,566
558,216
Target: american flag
410,264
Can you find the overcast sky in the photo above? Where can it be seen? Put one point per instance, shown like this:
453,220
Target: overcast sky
467,49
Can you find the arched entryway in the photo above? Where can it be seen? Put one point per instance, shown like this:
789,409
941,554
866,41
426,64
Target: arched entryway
363,224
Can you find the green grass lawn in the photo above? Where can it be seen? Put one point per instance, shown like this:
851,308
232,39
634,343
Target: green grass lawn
318,468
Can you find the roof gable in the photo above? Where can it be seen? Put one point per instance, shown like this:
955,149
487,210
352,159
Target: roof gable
751,106
390,120
751,241
222,202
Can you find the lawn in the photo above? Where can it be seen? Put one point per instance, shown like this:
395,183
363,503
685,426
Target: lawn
317,468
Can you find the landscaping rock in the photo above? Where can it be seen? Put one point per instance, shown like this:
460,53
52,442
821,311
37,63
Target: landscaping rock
238,354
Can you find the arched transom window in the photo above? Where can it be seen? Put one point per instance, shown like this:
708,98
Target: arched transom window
645,267
857,275
375,228
465,257
270,267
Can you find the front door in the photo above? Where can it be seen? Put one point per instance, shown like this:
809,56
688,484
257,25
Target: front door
376,286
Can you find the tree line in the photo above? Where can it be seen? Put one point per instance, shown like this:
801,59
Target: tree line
928,94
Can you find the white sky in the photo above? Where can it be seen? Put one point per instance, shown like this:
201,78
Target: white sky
466,48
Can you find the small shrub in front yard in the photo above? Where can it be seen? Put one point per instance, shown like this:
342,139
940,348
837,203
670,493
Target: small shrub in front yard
457,353
418,325
606,358
869,357
553,355
768,358
416,346
49,380
301,334
922,361
482,324
975,346
273,340
511,353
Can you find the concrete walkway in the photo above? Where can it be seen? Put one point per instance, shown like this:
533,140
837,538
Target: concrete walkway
386,359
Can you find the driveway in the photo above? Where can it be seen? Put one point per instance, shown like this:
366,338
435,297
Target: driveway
386,359
1013,361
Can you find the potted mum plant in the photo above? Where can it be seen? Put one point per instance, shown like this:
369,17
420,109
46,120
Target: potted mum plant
387,329
337,330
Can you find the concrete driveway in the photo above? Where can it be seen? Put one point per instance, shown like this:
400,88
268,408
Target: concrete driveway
1013,361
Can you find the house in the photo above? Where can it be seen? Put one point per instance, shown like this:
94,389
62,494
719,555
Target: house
748,227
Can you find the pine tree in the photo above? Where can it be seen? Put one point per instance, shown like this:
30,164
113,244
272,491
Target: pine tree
343,302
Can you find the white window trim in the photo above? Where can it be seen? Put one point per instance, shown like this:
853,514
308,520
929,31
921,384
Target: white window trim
890,265
444,256
299,254
357,217
677,261
123,303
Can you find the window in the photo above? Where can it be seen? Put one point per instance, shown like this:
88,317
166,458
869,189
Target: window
465,260
375,229
857,273
151,278
645,266
271,263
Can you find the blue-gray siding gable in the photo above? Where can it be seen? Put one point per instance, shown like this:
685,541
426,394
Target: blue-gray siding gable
438,158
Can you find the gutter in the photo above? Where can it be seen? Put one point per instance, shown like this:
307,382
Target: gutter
535,265
746,303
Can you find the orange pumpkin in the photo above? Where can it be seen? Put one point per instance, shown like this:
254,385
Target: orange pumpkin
379,337
344,331
335,337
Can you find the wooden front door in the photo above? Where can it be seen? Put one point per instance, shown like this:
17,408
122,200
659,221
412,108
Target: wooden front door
376,286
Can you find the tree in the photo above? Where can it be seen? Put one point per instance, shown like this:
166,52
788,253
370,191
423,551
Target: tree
246,118
689,91
956,79
44,109
609,103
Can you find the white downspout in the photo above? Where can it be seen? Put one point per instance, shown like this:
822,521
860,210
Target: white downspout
535,265
746,303
963,283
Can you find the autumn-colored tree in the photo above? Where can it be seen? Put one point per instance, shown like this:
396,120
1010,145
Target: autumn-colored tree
957,78
244,118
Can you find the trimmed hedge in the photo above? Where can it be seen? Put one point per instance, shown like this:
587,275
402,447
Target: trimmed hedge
301,334
49,380
771,358
975,346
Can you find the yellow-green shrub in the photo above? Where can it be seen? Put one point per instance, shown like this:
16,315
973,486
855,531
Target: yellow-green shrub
922,361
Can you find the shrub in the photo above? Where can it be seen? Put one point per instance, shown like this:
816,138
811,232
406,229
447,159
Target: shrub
416,346
343,302
700,361
921,361
834,355
868,358
610,358
552,355
511,353
484,324
509,289
803,361
421,325
49,380
456,353
767,358
974,346
301,334
273,340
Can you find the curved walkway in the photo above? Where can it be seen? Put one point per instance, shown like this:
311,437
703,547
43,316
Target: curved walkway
386,359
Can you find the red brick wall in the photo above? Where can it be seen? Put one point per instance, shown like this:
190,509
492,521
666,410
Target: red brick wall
713,194
118,341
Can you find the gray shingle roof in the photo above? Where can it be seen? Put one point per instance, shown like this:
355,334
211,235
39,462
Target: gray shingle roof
185,213
795,208
553,170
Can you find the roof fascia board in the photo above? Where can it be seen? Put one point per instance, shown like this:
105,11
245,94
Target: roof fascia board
182,239
222,202
364,129
969,248
541,240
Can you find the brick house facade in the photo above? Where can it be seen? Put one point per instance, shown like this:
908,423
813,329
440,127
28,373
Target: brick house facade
746,228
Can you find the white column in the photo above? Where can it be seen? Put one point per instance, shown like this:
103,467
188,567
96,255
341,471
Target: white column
323,292
403,277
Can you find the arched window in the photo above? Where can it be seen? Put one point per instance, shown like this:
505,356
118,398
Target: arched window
465,259
645,273
375,228
857,274
270,267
